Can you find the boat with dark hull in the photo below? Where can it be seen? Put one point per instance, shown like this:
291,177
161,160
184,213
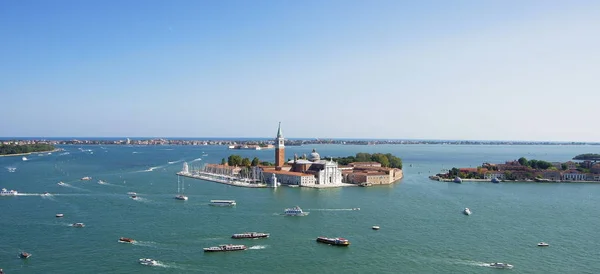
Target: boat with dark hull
250,235
333,241
126,240
223,248
24,255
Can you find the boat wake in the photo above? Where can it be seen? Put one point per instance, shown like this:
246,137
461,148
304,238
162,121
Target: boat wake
145,243
334,209
64,153
11,169
107,184
469,262
197,159
29,194
174,162
74,187
258,247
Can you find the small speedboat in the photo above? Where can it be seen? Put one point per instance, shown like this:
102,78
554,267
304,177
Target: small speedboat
126,240
46,194
375,227
60,215
501,265
356,208
150,262
467,211
134,197
24,255
181,197
61,183
543,244
78,225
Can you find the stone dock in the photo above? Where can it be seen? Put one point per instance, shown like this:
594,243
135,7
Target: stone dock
222,180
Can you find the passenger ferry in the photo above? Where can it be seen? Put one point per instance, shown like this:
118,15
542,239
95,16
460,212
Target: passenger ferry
223,248
222,202
5,192
333,241
295,211
250,235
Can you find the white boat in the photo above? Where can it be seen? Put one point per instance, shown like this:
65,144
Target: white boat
180,189
11,169
86,178
61,183
295,211
6,192
149,262
375,227
543,244
467,211
223,248
501,265
222,202
78,225
60,215
24,158
101,182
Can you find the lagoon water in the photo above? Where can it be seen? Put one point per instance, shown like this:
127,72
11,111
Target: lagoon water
422,228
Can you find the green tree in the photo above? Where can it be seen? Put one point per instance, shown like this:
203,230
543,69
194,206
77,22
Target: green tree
380,158
255,161
223,161
564,166
245,162
234,160
523,161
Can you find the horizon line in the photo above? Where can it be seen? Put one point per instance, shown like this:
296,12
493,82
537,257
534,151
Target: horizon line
3,138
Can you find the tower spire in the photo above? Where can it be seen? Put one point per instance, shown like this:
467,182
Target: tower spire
279,133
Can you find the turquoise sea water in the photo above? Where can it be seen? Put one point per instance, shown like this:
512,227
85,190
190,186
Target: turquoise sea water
422,228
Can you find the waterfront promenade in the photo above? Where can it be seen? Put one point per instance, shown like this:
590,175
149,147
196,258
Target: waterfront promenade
222,179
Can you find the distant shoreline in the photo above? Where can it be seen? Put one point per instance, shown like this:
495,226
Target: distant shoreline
29,153
536,182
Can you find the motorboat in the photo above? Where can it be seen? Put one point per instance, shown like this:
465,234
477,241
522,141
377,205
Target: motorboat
501,265
375,227
126,240
356,208
46,194
134,197
149,262
543,244
250,235
295,211
24,255
223,248
61,184
60,215
181,197
101,182
86,178
78,225
467,211
24,158
495,180
457,180
222,202
333,241
6,192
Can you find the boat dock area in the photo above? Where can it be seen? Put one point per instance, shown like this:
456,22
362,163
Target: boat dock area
222,179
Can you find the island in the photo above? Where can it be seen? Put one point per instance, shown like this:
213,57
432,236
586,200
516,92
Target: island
524,170
24,149
311,170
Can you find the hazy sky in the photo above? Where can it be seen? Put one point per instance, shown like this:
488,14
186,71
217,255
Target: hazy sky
500,70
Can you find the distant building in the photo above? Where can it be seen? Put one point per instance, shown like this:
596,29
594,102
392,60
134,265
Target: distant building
279,148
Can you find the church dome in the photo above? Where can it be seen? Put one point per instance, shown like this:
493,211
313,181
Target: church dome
314,156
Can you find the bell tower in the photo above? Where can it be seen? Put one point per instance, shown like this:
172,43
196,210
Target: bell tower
279,148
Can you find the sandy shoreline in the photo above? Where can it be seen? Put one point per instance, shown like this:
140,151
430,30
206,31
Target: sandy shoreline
29,153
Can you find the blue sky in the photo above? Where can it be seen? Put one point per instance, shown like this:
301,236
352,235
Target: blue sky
499,70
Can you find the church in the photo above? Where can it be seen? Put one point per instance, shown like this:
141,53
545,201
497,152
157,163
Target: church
305,171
